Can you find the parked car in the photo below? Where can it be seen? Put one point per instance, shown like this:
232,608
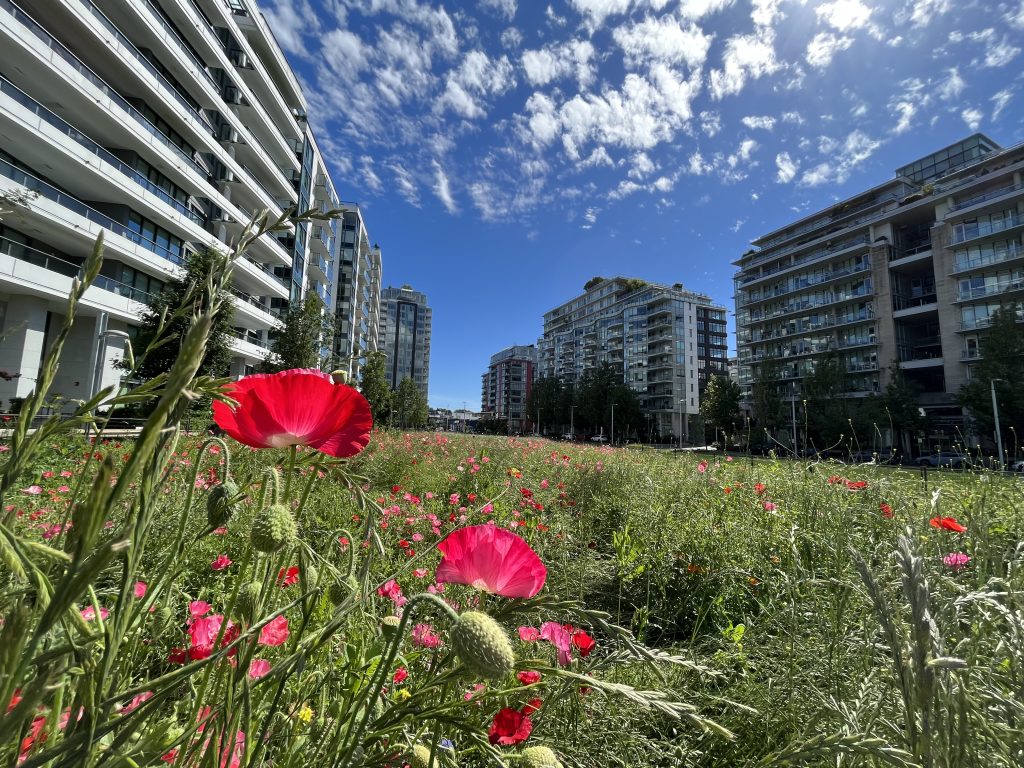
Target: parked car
599,439
568,436
1019,466
884,456
950,459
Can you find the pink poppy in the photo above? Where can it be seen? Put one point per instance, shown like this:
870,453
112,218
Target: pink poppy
274,633
400,676
296,407
288,576
258,668
89,613
203,631
492,559
32,490
529,634
135,702
222,562
702,467
424,636
559,637
956,560
199,608
140,589
509,727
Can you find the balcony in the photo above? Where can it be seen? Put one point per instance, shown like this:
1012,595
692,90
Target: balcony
974,353
7,88
963,233
995,289
70,60
76,206
814,255
48,261
985,197
797,307
803,284
902,301
1001,256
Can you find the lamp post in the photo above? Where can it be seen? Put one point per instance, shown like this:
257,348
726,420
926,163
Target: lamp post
611,440
572,421
682,416
995,413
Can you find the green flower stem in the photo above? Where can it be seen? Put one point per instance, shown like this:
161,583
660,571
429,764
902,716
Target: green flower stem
377,680
292,451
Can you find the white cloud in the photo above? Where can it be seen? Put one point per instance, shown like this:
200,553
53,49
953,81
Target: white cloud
642,166
511,38
370,177
553,18
1000,100
406,186
787,168
792,117
1000,54
625,189
506,8
698,9
477,78
823,47
346,53
1015,17
555,62
443,190
765,12
739,223
598,10
972,117
697,165
844,14
290,20
590,217
663,40
763,122
925,10
854,150
543,122
746,57
599,157
710,122
952,86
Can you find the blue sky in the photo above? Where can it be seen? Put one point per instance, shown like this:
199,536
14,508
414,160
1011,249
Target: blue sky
504,151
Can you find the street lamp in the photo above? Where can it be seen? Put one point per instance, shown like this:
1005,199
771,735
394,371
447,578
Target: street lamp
682,417
611,440
995,413
572,421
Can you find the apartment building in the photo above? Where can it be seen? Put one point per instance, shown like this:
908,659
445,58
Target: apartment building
404,336
165,125
667,341
906,272
506,387
357,308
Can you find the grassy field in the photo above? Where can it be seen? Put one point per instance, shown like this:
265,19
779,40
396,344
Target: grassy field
743,612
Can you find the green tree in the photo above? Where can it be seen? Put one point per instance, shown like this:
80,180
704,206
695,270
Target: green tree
826,410
170,314
899,400
546,401
767,406
375,389
409,406
720,404
1002,362
597,391
297,344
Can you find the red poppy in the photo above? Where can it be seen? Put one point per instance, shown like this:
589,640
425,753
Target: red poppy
528,677
583,642
492,559
886,510
509,727
947,524
856,485
531,706
288,576
296,407
400,675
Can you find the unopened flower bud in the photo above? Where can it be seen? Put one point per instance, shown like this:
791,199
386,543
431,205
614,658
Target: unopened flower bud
247,602
539,757
389,626
482,645
273,528
420,757
219,505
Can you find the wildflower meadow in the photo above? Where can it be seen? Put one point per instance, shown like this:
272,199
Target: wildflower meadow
308,590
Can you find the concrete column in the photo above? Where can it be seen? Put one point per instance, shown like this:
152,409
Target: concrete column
22,336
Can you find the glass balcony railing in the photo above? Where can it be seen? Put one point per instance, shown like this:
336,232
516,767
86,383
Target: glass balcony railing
814,255
65,200
250,338
257,302
8,88
76,64
146,64
995,289
53,263
184,47
964,232
977,199
1014,251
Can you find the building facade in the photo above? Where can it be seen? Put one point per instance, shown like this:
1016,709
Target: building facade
667,341
904,274
404,336
165,126
357,308
507,385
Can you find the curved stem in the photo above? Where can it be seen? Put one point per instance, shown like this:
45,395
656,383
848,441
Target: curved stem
292,450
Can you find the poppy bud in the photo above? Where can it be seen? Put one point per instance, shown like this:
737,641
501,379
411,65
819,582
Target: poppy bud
219,506
339,591
482,645
273,528
389,626
420,757
247,602
539,757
